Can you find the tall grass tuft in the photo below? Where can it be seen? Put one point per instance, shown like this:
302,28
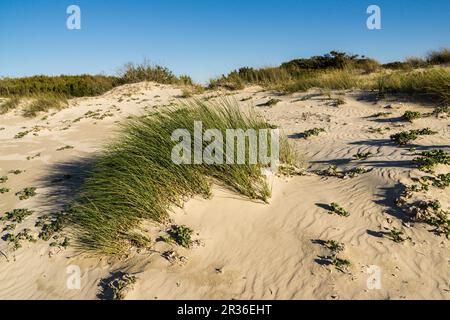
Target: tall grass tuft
431,83
339,79
43,103
136,179
9,105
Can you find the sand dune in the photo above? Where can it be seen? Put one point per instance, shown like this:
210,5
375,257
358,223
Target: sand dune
245,249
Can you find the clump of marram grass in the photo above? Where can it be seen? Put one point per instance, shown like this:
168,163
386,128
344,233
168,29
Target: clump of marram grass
135,178
26,193
431,212
4,190
10,104
44,103
440,181
406,137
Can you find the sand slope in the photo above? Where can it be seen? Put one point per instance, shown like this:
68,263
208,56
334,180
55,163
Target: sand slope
246,250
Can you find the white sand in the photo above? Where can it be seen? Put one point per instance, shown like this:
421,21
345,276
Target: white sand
247,250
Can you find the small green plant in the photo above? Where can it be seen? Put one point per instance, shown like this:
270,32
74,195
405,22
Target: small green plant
34,156
405,137
397,235
429,159
4,190
377,130
441,110
9,227
340,263
101,216
139,240
64,148
441,181
26,193
411,115
312,132
337,209
333,171
10,104
334,246
15,240
362,155
181,235
50,225
3,179
16,215
44,103
21,134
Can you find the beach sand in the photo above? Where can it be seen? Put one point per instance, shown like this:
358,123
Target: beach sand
244,249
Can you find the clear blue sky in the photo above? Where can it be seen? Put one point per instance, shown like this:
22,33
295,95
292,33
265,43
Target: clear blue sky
205,38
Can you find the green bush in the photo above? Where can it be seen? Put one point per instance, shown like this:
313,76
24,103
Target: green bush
439,56
404,137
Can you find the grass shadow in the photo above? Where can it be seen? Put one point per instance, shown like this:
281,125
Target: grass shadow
377,234
324,206
63,182
299,135
323,260
388,196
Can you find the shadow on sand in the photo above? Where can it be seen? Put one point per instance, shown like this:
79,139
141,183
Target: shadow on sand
63,182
